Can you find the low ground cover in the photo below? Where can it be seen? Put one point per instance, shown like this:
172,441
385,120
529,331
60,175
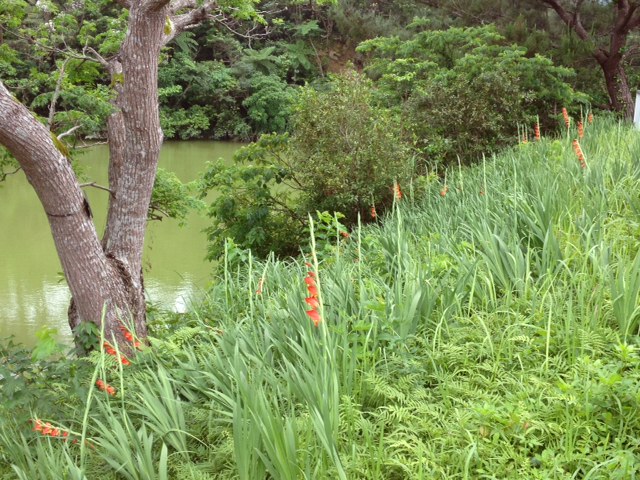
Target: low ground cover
486,328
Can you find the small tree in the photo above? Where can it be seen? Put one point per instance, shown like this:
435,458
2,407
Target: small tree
107,274
344,155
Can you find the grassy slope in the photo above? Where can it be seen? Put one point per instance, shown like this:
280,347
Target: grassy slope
489,333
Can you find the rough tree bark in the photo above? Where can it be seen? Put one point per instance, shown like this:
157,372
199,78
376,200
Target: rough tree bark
611,59
107,274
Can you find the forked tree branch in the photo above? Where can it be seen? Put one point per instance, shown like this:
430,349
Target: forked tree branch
572,20
4,175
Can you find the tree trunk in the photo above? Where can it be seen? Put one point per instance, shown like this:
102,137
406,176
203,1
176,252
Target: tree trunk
105,278
618,87
611,59
108,274
94,279
135,138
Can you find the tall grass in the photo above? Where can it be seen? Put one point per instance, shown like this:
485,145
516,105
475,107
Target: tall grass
488,333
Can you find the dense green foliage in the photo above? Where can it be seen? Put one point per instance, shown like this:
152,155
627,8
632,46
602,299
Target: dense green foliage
490,332
217,84
465,92
344,155
438,99
540,30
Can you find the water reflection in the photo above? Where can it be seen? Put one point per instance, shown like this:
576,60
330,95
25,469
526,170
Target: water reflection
32,292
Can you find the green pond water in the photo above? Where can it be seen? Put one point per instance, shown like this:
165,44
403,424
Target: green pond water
32,292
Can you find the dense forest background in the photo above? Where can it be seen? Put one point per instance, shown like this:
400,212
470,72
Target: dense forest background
237,80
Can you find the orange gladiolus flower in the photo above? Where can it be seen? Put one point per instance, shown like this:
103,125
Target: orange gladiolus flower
312,301
128,336
105,387
38,425
590,118
536,131
345,234
567,119
315,316
580,130
579,154
47,429
397,192
374,214
108,348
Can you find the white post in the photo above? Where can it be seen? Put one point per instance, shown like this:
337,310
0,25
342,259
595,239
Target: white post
636,116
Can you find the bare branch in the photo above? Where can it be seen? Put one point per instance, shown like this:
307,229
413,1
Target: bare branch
155,216
56,93
183,22
68,132
91,53
91,145
4,175
571,20
177,5
196,16
99,187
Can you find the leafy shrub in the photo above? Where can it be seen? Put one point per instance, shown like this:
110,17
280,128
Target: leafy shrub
268,106
255,204
171,198
348,152
464,91
344,155
185,124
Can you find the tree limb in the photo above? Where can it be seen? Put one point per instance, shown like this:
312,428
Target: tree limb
199,14
95,185
4,175
56,93
176,5
572,21
68,132
88,53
